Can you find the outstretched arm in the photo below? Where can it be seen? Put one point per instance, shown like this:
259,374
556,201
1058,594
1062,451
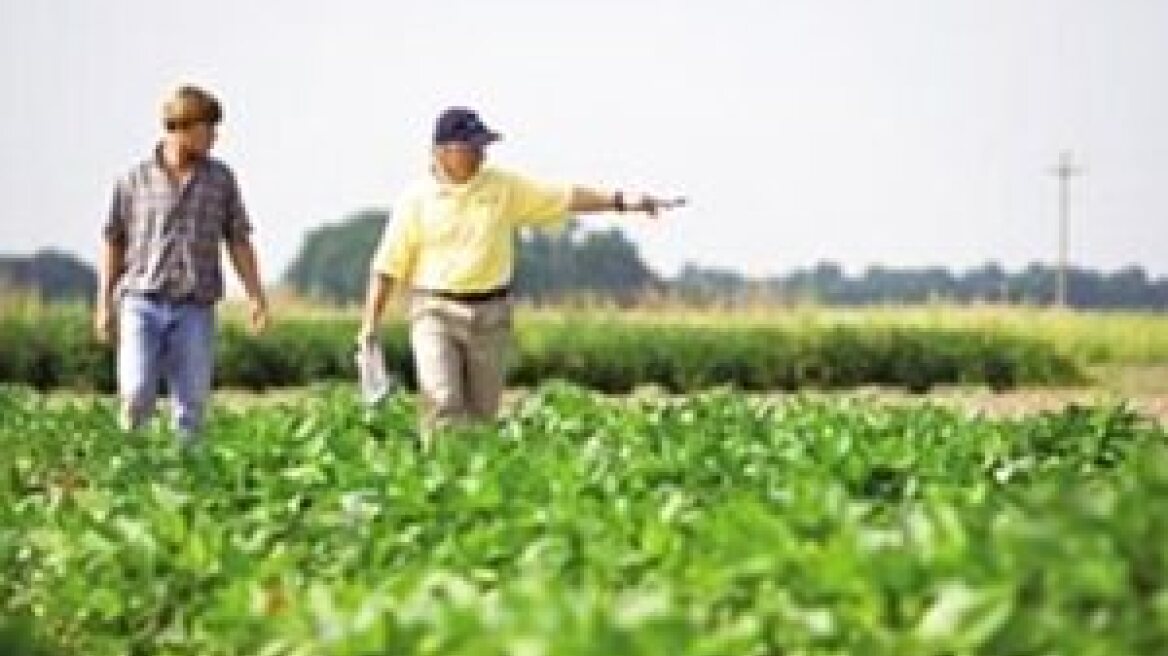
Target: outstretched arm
585,200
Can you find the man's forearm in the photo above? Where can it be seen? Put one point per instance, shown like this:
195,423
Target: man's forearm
379,288
585,200
113,264
243,258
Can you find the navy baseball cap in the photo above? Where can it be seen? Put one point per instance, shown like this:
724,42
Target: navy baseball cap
462,125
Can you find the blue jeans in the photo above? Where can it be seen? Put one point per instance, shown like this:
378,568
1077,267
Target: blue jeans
161,340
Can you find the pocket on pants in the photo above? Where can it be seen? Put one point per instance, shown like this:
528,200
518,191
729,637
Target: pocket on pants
494,316
445,310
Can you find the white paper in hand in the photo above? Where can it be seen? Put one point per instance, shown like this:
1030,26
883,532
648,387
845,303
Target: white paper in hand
375,382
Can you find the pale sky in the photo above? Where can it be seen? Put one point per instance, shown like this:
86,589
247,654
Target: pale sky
904,133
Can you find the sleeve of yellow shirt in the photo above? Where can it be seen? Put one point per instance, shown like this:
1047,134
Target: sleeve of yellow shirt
537,204
397,255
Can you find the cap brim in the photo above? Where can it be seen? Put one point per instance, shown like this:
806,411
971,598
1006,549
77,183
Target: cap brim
484,139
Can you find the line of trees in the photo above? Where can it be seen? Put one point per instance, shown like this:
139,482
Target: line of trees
49,275
1127,288
332,266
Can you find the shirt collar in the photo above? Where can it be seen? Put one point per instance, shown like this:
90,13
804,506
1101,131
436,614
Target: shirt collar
446,188
156,162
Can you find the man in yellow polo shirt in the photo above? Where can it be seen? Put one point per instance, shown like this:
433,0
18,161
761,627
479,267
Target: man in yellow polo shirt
450,241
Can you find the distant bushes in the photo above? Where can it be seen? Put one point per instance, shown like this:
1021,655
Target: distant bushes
53,348
50,348
618,356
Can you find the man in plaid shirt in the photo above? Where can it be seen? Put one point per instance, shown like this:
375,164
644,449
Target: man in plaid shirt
160,265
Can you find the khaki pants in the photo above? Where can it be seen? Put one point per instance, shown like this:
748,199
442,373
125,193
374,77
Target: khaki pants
460,352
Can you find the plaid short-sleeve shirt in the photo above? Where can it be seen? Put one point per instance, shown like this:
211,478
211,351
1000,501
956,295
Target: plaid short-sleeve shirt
174,233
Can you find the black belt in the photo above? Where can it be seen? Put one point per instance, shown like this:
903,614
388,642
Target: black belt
468,297
163,297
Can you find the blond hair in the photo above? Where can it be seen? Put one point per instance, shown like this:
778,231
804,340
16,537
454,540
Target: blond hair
191,103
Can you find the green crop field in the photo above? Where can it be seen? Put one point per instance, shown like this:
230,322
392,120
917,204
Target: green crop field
703,514
714,523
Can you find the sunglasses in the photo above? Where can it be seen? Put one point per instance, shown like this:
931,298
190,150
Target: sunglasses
181,124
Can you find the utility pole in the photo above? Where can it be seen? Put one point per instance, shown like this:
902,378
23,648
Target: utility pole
1065,170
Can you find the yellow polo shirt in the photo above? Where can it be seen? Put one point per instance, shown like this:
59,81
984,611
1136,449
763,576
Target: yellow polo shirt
461,238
